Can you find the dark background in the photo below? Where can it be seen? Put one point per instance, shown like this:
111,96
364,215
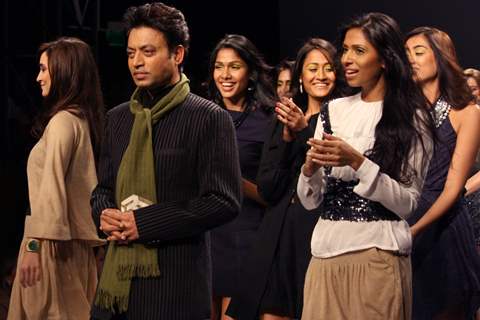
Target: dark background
277,27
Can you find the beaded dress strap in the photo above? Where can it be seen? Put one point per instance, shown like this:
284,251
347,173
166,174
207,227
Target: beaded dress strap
440,111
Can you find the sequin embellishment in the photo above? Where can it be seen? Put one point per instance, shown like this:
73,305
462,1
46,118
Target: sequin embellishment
440,111
340,202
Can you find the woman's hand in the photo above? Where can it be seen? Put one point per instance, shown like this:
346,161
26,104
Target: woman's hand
310,166
287,134
250,190
30,269
333,151
292,117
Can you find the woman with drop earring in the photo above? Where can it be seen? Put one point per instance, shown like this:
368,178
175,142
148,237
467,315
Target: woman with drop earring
272,286
238,81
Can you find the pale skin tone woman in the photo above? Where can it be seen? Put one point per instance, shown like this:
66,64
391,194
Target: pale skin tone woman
318,80
30,272
363,68
465,122
231,79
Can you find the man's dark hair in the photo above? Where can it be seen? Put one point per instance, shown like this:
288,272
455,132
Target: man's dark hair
168,20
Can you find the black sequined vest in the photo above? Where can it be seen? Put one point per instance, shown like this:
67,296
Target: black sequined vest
340,202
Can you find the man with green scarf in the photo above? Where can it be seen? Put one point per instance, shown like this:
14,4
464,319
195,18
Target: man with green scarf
177,153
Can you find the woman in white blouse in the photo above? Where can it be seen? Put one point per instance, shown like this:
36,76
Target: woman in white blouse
366,168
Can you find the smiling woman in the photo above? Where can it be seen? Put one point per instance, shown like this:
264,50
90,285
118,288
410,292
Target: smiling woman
231,78
273,277
239,82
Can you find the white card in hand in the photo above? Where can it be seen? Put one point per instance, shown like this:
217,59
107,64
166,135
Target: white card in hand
134,202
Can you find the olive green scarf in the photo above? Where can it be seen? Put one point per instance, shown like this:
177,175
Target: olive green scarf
136,175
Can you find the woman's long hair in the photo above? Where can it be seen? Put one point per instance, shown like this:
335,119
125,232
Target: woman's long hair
260,91
329,51
75,86
453,87
405,116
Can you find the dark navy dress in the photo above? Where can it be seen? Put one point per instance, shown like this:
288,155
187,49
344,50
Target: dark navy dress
232,242
275,271
473,205
445,263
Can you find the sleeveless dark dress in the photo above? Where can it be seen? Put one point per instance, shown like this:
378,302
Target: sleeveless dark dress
473,205
274,274
445,263
231,243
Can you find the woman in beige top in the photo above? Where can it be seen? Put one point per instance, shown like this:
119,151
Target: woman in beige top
56,272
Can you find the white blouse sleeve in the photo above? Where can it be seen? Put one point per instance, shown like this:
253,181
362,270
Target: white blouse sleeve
399,198
310,190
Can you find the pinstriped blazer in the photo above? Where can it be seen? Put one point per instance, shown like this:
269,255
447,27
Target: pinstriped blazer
198,188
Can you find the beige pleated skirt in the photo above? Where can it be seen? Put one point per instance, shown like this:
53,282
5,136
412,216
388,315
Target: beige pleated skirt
66,288
363,285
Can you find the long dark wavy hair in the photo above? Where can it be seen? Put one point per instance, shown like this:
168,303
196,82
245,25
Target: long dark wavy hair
405,115
75,86
453,87
329,51
260,91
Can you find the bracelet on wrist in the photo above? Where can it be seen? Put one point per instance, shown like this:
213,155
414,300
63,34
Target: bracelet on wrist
33,245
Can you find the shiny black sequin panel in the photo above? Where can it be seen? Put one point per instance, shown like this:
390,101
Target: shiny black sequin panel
341,203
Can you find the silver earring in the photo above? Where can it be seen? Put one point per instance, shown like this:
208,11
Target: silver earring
301,86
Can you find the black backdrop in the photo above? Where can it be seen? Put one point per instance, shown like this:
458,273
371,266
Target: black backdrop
301,19
277,27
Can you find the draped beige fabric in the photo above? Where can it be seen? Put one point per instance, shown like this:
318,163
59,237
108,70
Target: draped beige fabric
61,177
66,289
370,284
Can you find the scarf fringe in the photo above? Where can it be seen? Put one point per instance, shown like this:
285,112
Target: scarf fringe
115,304
126,272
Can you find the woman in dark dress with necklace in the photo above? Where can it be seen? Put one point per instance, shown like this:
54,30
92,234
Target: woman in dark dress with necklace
446,266
239,82
272,285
